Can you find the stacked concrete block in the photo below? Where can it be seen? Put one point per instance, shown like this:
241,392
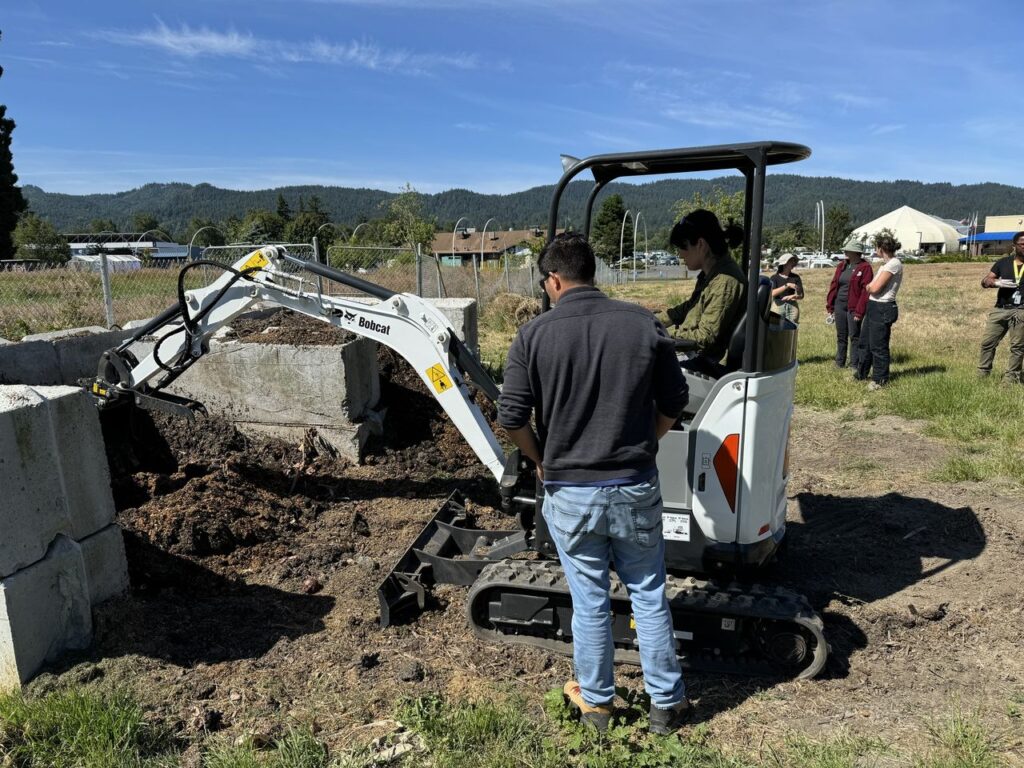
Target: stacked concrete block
59,357
60,551
284,389
462,314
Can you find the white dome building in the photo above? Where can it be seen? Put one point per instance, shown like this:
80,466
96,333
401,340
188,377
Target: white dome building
916,231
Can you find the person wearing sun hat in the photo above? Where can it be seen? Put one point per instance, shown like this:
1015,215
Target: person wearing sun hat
787,288
847,301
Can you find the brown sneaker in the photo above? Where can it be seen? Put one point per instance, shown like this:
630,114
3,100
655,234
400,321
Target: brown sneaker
666,721
595,717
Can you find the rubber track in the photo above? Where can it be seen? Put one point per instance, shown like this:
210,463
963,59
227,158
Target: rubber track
686,595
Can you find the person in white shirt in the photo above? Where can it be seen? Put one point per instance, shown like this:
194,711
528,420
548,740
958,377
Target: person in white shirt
882,312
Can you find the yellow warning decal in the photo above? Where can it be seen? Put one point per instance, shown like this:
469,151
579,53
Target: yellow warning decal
632,623
439,378
257,259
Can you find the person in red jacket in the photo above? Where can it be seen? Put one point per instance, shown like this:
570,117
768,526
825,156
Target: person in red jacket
847,301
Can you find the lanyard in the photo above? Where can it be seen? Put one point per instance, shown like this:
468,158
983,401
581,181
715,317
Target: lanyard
1018,271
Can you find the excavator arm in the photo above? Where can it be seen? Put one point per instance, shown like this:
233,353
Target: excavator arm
406,323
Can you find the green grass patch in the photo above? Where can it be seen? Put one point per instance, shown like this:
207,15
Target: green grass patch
962,741
73,728
843,751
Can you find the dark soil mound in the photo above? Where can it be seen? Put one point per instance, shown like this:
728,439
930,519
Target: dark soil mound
287,327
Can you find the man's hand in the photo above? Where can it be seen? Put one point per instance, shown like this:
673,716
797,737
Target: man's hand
857,318
988,281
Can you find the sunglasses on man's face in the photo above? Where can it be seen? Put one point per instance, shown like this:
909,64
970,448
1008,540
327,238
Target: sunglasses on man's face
543,280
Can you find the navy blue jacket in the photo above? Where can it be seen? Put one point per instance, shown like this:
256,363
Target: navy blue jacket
595,370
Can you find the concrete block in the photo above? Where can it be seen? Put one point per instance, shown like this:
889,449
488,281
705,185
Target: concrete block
44,611
79,350
462,314
106,569
29,362
53,471
283,389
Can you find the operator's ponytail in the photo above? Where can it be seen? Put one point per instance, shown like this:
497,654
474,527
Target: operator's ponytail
703,223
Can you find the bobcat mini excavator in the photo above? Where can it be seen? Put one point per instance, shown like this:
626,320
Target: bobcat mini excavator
723,467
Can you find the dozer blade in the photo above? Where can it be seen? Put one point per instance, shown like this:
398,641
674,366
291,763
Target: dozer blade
443,553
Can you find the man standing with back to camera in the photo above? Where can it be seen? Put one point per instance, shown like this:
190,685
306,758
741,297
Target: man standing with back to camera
604,381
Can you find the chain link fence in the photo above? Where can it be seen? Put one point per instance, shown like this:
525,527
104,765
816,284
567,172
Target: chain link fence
110,293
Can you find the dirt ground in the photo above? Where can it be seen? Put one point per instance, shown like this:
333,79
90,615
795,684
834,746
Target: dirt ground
254,566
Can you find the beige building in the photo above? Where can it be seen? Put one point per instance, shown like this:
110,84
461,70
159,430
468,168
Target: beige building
1011,223
461,246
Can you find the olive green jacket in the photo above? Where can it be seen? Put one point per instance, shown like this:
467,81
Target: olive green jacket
709,316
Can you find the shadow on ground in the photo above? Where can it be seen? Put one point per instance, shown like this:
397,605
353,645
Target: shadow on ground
852,551
183,613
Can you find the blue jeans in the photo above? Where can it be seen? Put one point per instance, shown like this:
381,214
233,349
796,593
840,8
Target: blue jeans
591,527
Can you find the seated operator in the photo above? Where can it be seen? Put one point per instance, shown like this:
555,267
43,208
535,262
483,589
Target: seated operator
709,316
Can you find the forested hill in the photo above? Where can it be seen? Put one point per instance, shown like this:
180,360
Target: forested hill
788,198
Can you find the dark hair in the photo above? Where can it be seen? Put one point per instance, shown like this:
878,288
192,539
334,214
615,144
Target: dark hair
570,255
887,243
1017,236
703,223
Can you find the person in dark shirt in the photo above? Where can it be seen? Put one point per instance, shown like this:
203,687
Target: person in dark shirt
787,288
1007,318
603,381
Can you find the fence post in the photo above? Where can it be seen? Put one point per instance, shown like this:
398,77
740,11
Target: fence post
476,281
440,282
533,283
508,280
419,269
318,260
108,295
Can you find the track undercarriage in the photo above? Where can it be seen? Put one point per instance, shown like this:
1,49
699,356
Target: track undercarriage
730,628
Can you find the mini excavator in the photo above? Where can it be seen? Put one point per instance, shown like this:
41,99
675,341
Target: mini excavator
723,466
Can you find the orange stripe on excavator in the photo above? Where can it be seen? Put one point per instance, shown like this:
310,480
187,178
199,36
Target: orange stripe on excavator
726,464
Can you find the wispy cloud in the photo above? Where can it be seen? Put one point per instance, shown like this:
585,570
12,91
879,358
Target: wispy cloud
879,130
720,115
855,100
187,42
191,43
371,56
479,127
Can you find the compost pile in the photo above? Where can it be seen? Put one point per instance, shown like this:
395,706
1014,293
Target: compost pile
286,327
241,549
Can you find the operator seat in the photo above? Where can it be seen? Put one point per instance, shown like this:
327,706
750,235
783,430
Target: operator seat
700,384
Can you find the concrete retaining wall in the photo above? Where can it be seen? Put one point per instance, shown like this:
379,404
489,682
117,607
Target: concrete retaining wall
283,390
60,552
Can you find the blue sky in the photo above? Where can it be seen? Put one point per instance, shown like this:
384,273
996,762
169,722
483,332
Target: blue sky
485,94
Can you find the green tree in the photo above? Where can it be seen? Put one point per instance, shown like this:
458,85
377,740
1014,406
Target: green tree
608,230
313,205
283,209
304,226
725,206
36,238
102,225
405,225
12,202
837,227
143,222
796,234
206,237
261,226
